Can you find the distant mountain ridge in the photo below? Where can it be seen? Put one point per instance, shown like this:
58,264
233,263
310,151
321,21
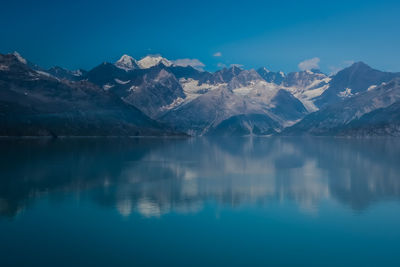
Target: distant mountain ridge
35,103
155,95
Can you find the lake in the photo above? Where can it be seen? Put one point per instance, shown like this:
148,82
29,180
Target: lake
200,202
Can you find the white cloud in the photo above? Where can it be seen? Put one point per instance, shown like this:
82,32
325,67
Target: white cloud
217,54
308,64
193,62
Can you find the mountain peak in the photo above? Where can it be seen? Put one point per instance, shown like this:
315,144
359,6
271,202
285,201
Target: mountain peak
235,68
19,57
359,64
126,63
358,68
153,60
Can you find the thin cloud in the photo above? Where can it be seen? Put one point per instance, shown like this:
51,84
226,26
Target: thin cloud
312,63
193,62
217,54
221,65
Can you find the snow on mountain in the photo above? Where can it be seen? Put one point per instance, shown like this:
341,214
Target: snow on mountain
345,93
33,103
44,73
4,67
107,87
126,63
77,73
157,91
247,104
193,89
208,110
307,86
232,100
259,90
336,117
304,85
153,60
20,58
357,78
121,82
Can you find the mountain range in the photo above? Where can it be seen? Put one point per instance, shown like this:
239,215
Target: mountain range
155,96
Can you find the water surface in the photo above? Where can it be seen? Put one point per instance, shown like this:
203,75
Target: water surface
185,202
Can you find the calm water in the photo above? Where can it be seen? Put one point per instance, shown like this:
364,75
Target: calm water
185,202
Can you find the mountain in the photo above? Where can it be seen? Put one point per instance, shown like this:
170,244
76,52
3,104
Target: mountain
190,73
131,94
245,124
305,79
180,85
62,73
127,63
207,111
38,104
270,76
380,122
242,97
227,74
153,90
153,60
105,74
168,93
353,112
287,107
307,86
352,80
157,91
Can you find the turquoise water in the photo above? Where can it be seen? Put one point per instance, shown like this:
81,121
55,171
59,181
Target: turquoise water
187,202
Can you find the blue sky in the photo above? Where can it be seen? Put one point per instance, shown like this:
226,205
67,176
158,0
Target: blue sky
275,34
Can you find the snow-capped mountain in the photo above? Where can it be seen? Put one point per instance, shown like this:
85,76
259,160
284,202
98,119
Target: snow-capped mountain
226,102
20,58
341,117
234,92
33,103
156,92
127,63
306,86
203,114
153,60
351,81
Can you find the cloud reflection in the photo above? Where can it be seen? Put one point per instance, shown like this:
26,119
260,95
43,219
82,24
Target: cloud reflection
157,176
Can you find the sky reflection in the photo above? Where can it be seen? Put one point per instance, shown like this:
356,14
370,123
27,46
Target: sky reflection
157,176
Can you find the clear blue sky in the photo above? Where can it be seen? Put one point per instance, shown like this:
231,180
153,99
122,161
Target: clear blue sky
275,34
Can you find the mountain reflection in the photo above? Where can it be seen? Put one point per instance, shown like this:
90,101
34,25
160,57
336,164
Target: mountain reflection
158,176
